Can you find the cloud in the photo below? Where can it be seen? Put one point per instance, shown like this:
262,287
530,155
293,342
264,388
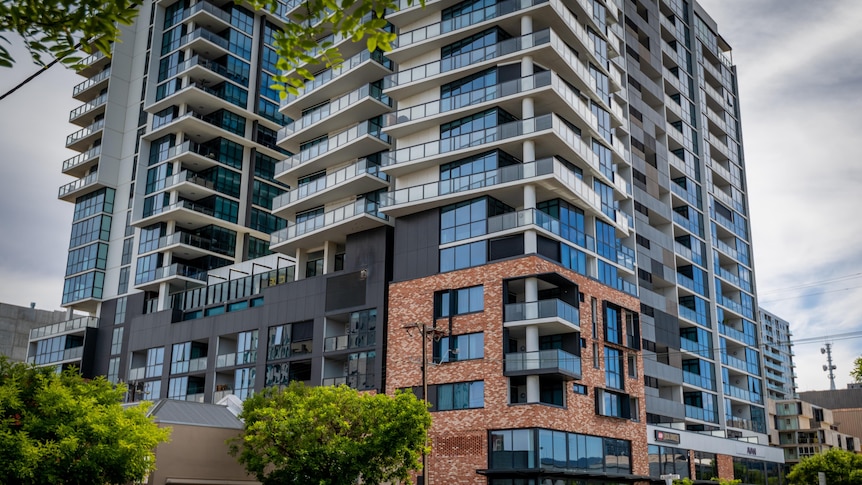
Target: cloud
800,82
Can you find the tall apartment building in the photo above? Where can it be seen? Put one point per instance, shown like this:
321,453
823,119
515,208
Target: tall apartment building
779,368
545,198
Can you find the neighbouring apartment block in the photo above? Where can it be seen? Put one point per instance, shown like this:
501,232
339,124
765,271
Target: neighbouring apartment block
803,429
547,199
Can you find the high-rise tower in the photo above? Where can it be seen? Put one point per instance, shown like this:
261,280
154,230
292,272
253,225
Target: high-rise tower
548,195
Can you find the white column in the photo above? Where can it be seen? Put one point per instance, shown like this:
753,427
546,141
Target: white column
164,296
301,259
329,250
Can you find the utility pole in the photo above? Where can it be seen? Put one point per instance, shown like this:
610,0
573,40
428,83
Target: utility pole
829,367
435,334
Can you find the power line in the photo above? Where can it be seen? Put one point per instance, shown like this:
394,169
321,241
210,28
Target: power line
805,295
30,78
813,283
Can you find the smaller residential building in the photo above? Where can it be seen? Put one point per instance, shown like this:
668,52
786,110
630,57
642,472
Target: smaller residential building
779,369
804,429
197,453
845,404
16,324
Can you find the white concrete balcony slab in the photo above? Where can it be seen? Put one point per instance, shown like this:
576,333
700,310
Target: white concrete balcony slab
359,140
356,71
89,89
82,186
86,114
190,246
358,105
359,177
207,15
81,164
93,64
82,139
333,225
176,274
74,326
546,47
551,316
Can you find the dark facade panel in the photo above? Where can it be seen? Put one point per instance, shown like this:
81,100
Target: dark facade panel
416,246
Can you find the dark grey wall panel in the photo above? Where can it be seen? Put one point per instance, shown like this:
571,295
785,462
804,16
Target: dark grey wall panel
416,246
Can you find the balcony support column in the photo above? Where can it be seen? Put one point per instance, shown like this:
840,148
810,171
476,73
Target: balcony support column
301,260
164,296
329,250
532,345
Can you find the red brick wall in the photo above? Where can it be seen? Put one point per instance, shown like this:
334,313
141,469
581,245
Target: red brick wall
459,438
725,466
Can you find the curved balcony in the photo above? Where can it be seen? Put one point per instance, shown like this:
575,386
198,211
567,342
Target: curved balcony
332,225
192,154
505,184
188,215
89,89
190,185
554,362
80,165
76,325
191,246
512,222
85,137
86,113
362,139
208,15
358,105
82,186
545,46
203,40
363,68
553,137
93,64
552,316
198,126
410,11
177,274
357,178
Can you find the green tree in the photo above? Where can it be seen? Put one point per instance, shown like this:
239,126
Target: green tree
62,429
840,466
331,436
856,372
60,27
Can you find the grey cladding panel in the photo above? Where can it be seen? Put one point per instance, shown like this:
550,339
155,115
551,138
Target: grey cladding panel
416,253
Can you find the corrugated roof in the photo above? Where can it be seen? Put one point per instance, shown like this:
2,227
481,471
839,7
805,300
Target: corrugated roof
171,411
837,399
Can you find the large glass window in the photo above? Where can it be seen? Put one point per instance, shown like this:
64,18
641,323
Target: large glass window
468,219
458,302
464,256
483,40
155,362
490,118
459,347
614,368
534,448
459,395
89,230
94,256
87,285
101,200
289,340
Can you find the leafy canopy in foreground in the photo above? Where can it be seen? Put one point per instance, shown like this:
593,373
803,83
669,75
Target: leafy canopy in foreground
58,28
63,430
840,466
331,436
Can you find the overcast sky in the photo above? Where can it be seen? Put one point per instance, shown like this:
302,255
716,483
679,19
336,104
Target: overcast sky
800,78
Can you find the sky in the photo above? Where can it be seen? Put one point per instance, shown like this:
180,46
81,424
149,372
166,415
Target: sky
800,82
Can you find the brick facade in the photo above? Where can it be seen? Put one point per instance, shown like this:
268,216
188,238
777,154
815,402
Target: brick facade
459,438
